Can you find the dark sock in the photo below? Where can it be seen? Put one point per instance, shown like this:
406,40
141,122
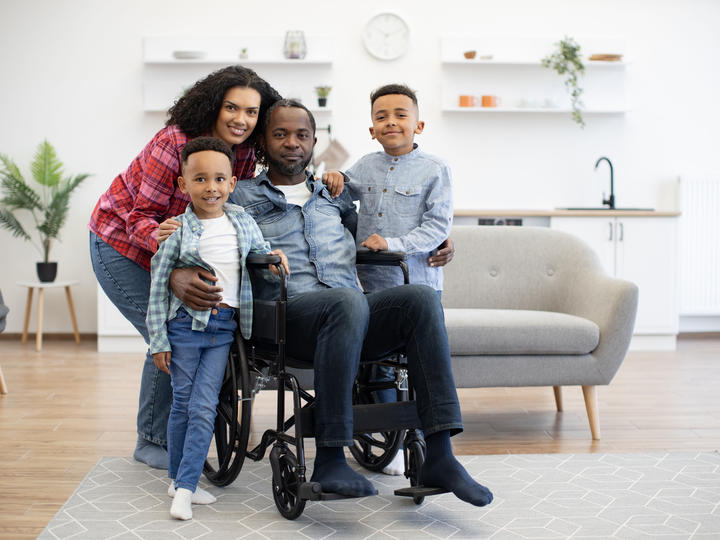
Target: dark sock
150,453
441,469
335,475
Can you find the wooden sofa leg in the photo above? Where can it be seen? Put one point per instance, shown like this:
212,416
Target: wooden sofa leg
590,395
557,390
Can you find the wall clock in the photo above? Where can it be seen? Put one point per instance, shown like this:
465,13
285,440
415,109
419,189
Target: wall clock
386,36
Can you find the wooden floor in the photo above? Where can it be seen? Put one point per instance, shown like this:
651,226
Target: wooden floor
69,405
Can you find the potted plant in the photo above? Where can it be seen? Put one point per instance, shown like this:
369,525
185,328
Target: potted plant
566,61
322,94
48,207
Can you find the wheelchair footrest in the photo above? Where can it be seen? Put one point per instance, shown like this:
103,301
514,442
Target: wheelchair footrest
312,491
420,491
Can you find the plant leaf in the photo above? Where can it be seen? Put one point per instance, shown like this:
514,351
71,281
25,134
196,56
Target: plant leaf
46,167
10,222
17,193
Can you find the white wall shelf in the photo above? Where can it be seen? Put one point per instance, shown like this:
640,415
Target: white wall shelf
165,77
589,64
541,110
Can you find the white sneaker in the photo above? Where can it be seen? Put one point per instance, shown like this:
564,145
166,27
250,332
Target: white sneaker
199,497
181,507
397,466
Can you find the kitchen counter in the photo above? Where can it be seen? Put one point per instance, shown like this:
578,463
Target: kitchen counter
565,213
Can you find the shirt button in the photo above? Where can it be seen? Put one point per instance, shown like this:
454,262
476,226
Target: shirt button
369,189
392,168
379,214
385,190
395,159
407,193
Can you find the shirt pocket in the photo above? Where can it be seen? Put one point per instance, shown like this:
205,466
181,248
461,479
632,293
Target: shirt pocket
369,196
407,199
325,204
264,212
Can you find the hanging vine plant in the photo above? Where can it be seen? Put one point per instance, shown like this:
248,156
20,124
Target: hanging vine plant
566,61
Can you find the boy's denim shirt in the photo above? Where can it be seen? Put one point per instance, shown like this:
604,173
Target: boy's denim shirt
316,238
408,201
181,250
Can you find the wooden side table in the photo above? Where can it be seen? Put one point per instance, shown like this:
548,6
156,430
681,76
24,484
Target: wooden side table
41,286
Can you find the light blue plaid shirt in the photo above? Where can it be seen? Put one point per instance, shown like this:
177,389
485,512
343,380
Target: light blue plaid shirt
181,250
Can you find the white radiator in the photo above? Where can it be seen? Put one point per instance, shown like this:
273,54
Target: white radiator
700,246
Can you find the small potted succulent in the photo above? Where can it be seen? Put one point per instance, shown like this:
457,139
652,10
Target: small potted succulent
48,207
322,94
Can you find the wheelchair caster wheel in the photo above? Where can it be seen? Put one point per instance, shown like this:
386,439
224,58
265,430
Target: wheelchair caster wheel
286,482
415,460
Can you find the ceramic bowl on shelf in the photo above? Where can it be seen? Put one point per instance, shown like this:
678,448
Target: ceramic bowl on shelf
189,55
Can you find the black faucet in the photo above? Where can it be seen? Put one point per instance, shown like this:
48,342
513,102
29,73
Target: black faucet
611,201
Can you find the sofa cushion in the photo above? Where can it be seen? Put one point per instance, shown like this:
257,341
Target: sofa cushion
516,331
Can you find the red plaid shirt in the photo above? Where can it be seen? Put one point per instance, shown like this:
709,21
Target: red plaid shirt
146,194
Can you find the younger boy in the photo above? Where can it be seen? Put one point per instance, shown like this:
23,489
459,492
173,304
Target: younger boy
193,346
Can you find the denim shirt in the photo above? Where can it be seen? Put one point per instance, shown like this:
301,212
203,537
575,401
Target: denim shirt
317,238
408,201
181,250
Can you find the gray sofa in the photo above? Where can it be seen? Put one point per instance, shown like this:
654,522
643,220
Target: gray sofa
530,306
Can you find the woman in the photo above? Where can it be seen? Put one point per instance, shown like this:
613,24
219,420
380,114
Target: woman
124,227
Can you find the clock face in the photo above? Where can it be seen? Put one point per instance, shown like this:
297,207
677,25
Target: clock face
386,36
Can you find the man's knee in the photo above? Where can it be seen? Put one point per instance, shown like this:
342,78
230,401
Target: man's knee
347,306
422,299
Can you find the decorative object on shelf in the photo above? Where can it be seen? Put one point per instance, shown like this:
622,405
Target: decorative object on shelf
469,54
243,53
189,55
322,94
489,101
295,47
386,36
567,62
605,57
48,208
465,100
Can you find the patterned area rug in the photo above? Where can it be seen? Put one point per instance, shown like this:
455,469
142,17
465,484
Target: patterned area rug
668,496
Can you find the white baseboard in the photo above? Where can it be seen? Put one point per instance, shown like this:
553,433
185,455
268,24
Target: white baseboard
699,323
665,342
121,344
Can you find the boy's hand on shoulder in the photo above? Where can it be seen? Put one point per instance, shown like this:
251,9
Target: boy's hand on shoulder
283,262
444,254
166,228
375,242
162,361
335,182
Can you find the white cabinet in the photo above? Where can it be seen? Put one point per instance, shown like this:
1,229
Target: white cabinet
115,333
174,63
642,250
510,68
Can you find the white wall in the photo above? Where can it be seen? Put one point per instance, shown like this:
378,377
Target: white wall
72,72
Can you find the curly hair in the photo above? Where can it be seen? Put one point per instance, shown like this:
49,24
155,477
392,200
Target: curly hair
260,154
201,144
389,89
198,108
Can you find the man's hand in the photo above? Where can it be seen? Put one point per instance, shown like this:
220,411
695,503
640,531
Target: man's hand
335,182
444,254
189,287
375,242
283,261
166,228
162,361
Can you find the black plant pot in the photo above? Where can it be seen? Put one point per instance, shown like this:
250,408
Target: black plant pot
322,101
46,271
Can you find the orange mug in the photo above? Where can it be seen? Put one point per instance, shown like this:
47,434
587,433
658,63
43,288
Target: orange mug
467,101
489,101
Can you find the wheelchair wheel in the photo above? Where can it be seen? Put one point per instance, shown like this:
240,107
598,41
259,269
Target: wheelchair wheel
286,482
415,459
374,451
232,423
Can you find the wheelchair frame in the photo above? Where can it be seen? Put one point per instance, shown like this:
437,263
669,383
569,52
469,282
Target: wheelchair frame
263,359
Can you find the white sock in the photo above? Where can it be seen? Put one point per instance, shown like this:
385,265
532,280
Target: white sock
397,466
181,507
199,497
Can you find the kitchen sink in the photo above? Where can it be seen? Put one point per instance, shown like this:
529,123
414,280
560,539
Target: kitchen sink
596,208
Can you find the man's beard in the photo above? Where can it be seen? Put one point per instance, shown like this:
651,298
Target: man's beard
289,170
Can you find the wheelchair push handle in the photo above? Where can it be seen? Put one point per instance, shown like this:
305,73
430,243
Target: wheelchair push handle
384,258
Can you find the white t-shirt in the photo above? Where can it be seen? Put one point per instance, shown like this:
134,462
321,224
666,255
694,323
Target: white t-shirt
218,247
297,194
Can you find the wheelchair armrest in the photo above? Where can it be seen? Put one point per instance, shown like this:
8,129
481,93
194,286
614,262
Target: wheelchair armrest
257,259
381,258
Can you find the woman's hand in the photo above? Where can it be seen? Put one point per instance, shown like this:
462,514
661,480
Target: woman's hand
335,182
283,262
166,228
162,361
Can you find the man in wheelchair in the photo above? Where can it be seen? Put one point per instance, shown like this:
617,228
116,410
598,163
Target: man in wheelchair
331,324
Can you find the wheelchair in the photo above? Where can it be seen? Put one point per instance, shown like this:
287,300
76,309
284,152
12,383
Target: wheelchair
379,428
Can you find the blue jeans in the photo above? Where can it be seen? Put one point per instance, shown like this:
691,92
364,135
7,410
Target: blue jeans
337,328
197,368
127,285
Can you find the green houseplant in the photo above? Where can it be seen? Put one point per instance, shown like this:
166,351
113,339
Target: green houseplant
568,64
48,206
322,93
